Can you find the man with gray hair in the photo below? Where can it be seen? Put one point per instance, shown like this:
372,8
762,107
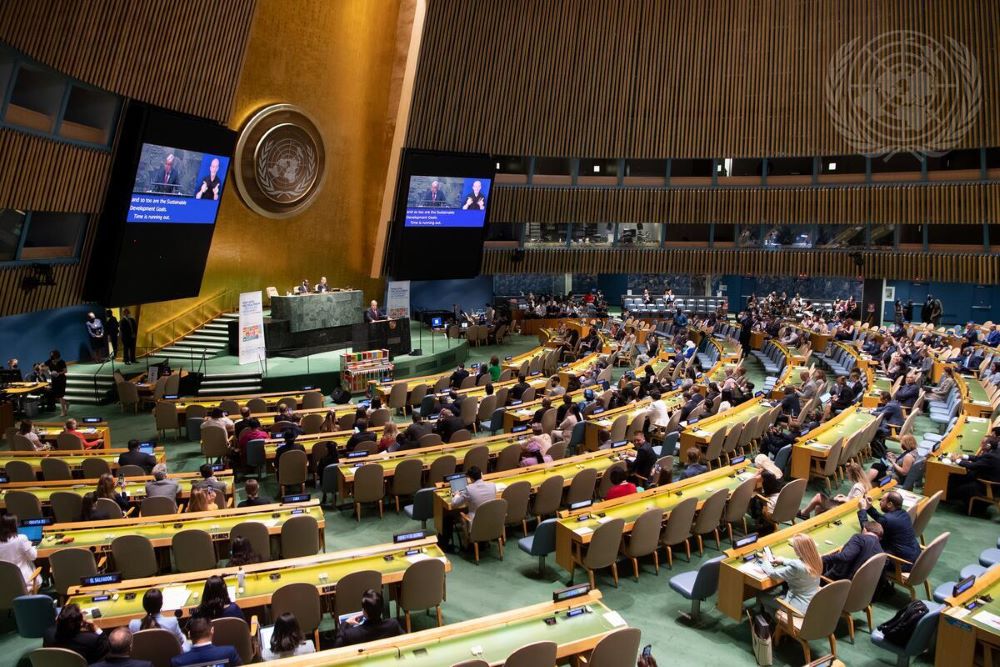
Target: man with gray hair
161,484
120,651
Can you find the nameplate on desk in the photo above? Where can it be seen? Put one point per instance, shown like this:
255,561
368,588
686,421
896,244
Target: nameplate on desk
407,537
357,455
216,467
508,358
569,593
745,541
597,411
517,402
581,504
963,585
43,521
296,498
308,388
519,429
101,579
91,420
171,397
620,443
738,459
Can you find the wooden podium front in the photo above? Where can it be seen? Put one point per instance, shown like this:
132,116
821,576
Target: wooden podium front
392,335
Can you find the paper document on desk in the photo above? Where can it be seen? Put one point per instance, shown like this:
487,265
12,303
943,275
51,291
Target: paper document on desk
988,618
909,499
615,619
753,569
232,592
583,530
702,433
416,558
175,597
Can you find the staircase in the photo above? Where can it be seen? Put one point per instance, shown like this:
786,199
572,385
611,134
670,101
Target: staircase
80,388
209,341
229,384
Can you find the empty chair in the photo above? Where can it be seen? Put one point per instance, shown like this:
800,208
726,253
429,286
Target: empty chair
379,417
557,451
193,551
440,468
299,536
134,556
709,518
678,528
478,456
157,506
925,513
603,550
461,435
66,506
257,405
538,654
69,565
517,496
12,584
422,588
429,440
312,423
109,507
257,534
93,468
863,585
422,508
486,525
293,470
406,479
23,504
131,471
351,587
236,633
55,469
820,618
57,657
541,543
644,539
155,645
397,397
548,497
582,486
312,400
921,569
698,585
616,648
21,471
508,458
165,414
788,502
214,443
34,614
302,600
920,640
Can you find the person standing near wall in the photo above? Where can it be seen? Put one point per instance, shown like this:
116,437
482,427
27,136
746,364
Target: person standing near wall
98,342
130,332
111,328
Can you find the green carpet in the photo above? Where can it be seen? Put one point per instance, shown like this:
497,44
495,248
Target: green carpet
650,605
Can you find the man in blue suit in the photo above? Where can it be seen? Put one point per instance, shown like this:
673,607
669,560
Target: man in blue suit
898,538
892,411
908,391
203,650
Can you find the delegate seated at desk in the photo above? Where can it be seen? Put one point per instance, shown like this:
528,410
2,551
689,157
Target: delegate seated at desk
471,497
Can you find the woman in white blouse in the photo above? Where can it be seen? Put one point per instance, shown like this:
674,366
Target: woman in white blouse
17,549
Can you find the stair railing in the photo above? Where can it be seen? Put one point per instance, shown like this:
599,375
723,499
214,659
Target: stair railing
189,320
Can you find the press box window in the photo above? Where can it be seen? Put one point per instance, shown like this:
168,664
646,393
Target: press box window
36,99
90,115
11,226
53,235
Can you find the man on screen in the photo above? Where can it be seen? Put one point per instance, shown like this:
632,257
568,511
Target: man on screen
434,196
210,185
475,199
373,313
165,179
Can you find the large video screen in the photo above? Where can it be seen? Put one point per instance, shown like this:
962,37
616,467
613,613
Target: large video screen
174,185
447,201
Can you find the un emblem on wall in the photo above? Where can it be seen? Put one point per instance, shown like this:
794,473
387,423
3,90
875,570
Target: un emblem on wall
280,161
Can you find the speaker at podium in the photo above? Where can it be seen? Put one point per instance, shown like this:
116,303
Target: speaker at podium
389,334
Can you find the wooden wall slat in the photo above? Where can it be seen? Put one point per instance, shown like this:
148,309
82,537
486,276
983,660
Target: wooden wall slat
43,175
655,79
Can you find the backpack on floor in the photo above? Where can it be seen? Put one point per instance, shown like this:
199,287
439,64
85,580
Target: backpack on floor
901,627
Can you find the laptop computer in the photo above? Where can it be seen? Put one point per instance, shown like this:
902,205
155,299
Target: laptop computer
458,482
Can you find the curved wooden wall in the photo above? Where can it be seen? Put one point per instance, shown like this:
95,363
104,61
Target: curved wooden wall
659,78
979,269
182,55
879,204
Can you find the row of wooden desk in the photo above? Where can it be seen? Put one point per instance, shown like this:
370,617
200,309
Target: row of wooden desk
135,487
74,459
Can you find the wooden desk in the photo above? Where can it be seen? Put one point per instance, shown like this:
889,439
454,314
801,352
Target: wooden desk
209,403
961,630
816,443
876,385
964,439
98,535
495,637
573,535
135,487
741,580
22,388
567,468
182,591
49,432
73,458
603,421
976,402
701,432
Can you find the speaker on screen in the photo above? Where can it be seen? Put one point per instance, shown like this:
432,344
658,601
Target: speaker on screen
440,215
168,176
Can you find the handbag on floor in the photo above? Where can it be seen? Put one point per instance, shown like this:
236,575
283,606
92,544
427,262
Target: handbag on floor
760,634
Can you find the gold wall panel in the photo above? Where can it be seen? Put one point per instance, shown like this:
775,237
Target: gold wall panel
879,204
940,267
334,60
664,78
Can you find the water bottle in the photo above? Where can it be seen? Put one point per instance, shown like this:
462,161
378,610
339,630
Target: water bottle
240,579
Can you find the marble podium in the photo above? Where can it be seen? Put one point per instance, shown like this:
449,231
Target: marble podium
307,312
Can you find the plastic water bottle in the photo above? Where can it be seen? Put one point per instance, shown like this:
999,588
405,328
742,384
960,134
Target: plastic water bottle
240,579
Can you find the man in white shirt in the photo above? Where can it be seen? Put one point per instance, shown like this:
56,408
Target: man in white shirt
218,418
476,493
659,415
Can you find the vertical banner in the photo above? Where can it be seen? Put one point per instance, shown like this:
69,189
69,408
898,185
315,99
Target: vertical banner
251,327
397,299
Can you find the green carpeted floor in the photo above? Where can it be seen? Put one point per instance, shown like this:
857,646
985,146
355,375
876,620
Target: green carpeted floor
650,605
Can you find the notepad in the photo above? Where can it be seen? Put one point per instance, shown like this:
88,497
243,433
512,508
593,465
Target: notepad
753,569
988,618
416,558
501,487
701,433
605,519
615,619
175,597
583,530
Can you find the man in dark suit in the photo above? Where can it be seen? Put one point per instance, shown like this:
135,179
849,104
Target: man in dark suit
415,431
362,434
203,651
129,329
892,411
373,313
252,488
447,424
898,538
984,466
165,178
210,481
120,651
790,406
645,457
862,546
908,391
133,457
455,382
369,624
692,399
517,391
843,394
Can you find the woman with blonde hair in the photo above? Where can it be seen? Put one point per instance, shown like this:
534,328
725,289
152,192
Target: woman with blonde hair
202,500
860,485
389,434
802,574
897,466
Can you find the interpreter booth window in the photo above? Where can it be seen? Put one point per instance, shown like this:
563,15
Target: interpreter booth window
955,238
589,234
993,162
796,237
911,237
36,99
512,164
841,169
968,161
687,234
504,232
748,236
640,234
883,237
553,171
645,168
6,68
11,226
53,235
724,235
541,235
90,115
994,231
840,236
739,171
691,172
898,167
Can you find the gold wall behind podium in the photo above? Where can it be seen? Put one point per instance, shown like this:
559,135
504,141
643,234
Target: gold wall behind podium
341,62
